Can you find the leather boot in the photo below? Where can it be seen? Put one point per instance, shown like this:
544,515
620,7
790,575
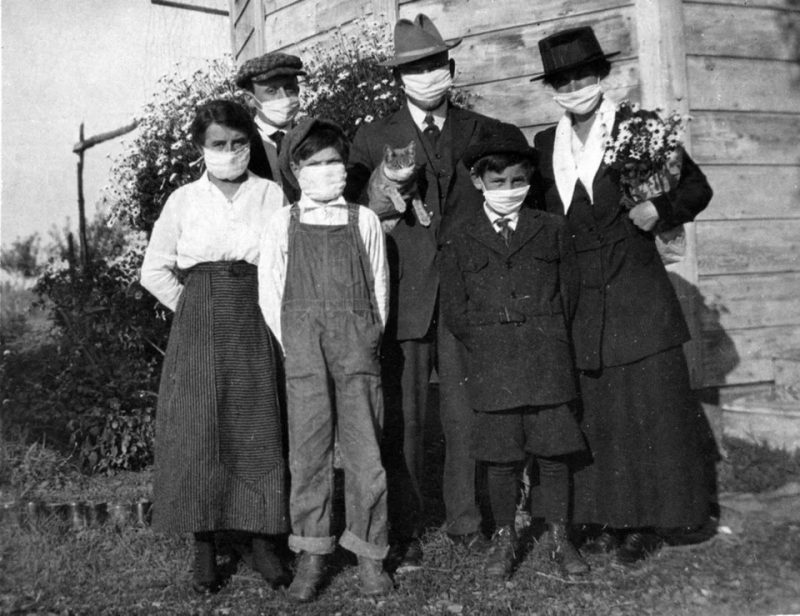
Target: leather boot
563,553
267,563
308,577
502,553
205,577
374,580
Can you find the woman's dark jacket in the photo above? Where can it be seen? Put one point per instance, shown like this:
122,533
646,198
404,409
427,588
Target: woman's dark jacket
627,308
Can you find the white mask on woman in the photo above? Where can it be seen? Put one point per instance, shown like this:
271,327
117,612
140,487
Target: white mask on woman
580,102
227,165
279,111
505,201
428,88
322,183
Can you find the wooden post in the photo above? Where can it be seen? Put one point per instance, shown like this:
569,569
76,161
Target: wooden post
84,255
663,82
387,8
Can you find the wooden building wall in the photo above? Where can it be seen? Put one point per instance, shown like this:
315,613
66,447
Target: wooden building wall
732,64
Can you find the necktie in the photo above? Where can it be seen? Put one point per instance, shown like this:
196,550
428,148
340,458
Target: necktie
431,132
277,137
504,229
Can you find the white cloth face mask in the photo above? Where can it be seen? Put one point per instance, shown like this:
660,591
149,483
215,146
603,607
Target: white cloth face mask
505,201
322,183
279,111
428,88
580,102
227,165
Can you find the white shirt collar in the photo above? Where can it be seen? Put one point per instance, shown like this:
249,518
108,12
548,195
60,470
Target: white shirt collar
206,184
266,129
418,115
513,219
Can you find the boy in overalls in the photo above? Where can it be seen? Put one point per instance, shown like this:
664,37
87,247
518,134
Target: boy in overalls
323,289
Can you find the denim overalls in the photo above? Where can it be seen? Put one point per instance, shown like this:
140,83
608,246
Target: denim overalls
331,334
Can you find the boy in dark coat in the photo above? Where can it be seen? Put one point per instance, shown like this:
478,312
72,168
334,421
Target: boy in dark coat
509,285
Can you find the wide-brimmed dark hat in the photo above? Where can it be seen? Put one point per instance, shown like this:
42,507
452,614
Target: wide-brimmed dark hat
498,138
414,40
569,49
273,64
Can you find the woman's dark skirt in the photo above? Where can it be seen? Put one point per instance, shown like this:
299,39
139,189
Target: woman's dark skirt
647,437
219,454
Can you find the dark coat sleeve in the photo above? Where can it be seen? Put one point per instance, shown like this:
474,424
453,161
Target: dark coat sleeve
569,274
689,197
359,167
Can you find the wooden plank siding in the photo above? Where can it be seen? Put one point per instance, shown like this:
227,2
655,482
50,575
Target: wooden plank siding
744,84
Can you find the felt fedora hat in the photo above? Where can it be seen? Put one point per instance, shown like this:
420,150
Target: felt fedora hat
414,40
569,49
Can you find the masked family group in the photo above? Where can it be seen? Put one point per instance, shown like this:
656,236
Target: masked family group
302,320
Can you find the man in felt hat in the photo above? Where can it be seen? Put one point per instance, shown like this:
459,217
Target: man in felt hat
441,132
271,81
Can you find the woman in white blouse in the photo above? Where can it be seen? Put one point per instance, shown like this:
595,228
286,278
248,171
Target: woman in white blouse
220,454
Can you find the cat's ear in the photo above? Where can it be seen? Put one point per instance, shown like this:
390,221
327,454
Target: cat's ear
387,151
412,148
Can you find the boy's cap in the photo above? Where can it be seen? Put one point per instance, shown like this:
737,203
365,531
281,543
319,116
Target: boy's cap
273,64
498,138
297,134
414,40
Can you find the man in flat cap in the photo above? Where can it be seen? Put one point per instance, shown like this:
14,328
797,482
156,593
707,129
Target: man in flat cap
271,80
415,335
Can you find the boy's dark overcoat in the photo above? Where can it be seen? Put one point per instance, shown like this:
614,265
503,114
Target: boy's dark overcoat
510,305
628,308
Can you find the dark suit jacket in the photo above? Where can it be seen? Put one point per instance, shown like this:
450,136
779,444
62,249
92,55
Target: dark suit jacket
260,165
449,195
628,308
510,306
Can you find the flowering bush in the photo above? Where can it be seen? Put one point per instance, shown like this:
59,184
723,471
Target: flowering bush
646,150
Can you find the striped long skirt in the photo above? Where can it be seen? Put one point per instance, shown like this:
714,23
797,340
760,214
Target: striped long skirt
219,453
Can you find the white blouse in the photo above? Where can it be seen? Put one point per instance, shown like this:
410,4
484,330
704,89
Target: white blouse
275,248
198,223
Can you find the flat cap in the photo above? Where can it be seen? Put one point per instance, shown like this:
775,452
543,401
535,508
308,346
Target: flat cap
498,138
273,64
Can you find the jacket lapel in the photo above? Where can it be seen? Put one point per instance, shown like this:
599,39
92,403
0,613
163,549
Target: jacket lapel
528,226
462,127
481,229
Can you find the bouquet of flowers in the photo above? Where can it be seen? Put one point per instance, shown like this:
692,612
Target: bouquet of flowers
647,153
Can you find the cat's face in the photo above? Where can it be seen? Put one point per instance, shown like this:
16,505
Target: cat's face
400,158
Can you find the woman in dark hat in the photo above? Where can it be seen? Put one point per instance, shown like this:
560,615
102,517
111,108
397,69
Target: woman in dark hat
642,423
219,459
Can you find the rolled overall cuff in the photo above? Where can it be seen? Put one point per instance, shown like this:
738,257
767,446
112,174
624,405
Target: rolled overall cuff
312,545
359,547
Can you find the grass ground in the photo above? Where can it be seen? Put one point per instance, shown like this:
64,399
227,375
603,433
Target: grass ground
48,568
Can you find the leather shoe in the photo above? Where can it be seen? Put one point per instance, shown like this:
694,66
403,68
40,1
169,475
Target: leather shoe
205,577
563,553
411,556
637,546
474,542
374,580
604,543
308,577
266,562
502,553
